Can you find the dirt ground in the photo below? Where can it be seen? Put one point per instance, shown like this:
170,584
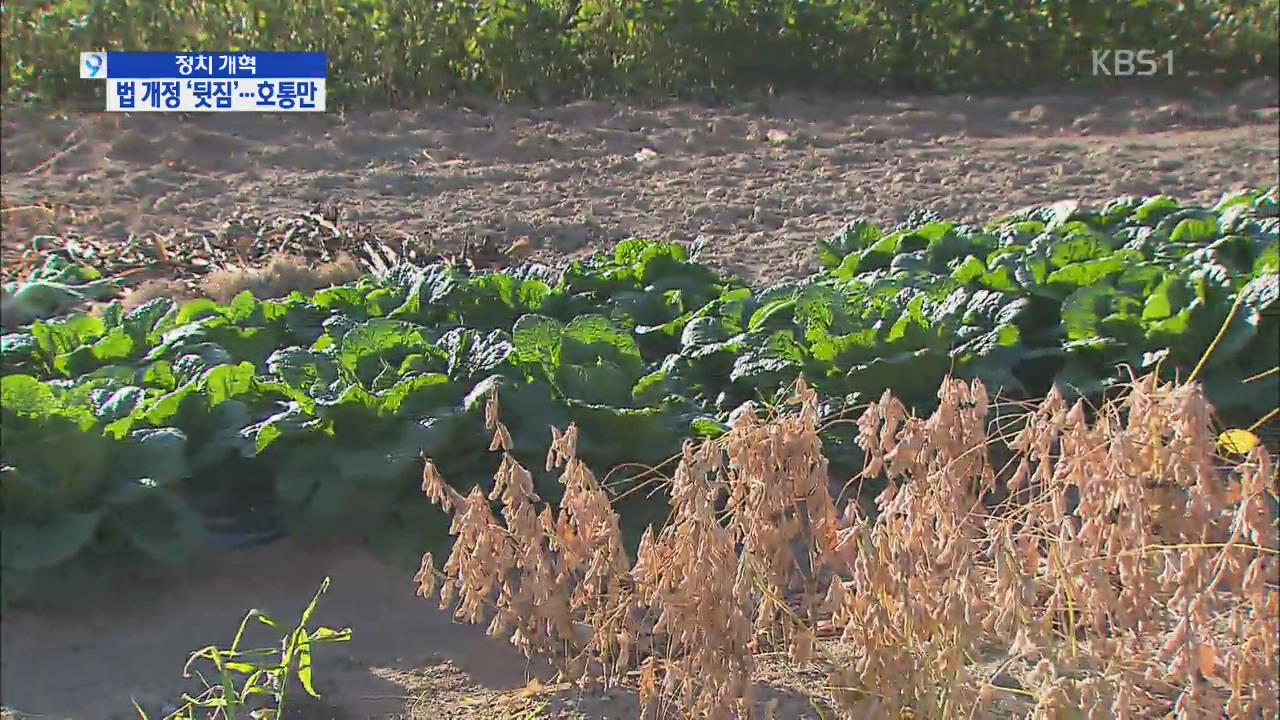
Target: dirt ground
406,659
761,181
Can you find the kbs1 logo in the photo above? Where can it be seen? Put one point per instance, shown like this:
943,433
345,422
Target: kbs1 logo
1132,63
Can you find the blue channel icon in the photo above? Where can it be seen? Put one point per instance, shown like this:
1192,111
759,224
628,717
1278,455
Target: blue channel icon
92,65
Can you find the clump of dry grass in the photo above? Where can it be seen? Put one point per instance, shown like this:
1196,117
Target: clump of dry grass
280,276
1118,567
148,290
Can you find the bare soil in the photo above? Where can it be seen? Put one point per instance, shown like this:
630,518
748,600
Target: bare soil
87,659
761,181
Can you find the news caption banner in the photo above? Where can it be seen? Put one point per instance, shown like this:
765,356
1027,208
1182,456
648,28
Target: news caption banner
209,82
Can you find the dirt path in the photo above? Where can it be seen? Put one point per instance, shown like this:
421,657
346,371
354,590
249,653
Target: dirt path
760,181
407,659
65,663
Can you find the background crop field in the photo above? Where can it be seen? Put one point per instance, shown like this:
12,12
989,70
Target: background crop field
401,50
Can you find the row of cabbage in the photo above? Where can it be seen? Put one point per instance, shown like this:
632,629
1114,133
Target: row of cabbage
146,431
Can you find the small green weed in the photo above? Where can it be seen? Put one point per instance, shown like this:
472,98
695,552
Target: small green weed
266,672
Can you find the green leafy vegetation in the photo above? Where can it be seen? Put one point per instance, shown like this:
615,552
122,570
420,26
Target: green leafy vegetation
54,288
395,50
122,429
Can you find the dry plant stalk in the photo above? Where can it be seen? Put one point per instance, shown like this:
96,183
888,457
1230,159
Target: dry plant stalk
1126,572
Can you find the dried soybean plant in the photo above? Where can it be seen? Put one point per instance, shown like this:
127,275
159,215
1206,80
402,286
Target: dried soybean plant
1117,567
